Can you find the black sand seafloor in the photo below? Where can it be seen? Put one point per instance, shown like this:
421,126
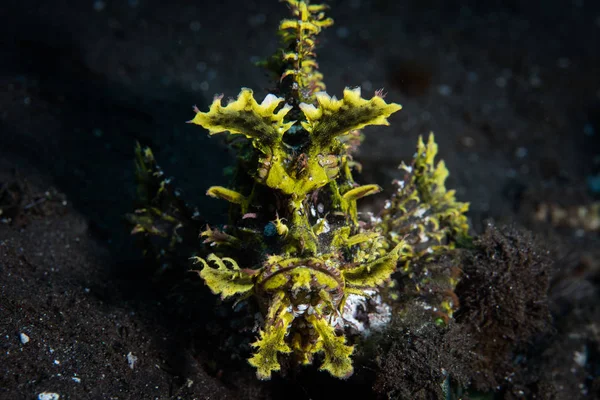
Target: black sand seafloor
511,89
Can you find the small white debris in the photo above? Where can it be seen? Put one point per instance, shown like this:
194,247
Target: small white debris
24,338
48,396
535,80
343,32
322,222
201,66
580,357
467,141
56,362
472,77
373,219
521,152
99,5
195,26
444,90
76,379
563,63
420,212
131,360
300,309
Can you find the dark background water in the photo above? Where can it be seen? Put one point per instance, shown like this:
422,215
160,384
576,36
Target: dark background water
510,88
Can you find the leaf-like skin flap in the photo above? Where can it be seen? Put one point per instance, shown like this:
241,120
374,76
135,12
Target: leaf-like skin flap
167,223
223,280
272,341
337,354
146,174
300,25
245,116
229,195
360,192
430,181
218,237
302,10
332,118
377,272
361,238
